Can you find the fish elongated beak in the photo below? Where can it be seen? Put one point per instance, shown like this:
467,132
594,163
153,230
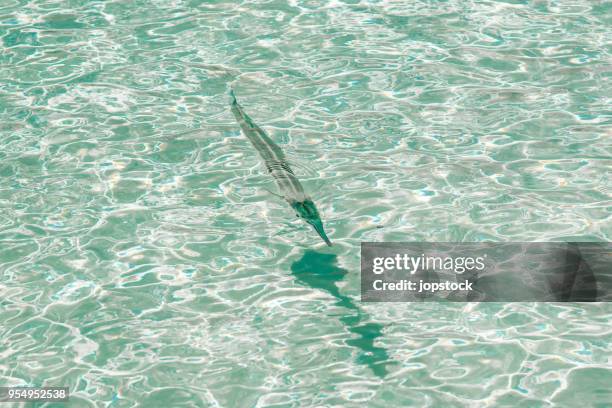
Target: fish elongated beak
318,226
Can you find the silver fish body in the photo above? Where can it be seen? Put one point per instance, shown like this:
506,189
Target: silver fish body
278,167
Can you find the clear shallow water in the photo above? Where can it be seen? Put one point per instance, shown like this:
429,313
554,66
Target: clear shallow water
143,262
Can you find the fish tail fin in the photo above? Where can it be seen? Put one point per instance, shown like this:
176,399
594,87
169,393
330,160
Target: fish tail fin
233,100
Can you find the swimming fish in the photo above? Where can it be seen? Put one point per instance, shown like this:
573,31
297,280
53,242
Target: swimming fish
276,164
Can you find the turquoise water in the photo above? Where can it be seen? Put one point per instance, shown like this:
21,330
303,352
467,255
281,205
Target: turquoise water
144,263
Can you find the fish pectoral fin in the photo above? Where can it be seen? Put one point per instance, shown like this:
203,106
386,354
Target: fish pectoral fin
273,193
288,228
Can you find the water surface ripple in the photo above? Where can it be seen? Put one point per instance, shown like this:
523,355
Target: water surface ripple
143,262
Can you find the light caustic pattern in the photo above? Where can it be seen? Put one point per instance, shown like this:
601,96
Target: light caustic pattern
143,262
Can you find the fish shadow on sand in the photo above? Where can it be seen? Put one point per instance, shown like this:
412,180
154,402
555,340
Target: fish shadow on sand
320,271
